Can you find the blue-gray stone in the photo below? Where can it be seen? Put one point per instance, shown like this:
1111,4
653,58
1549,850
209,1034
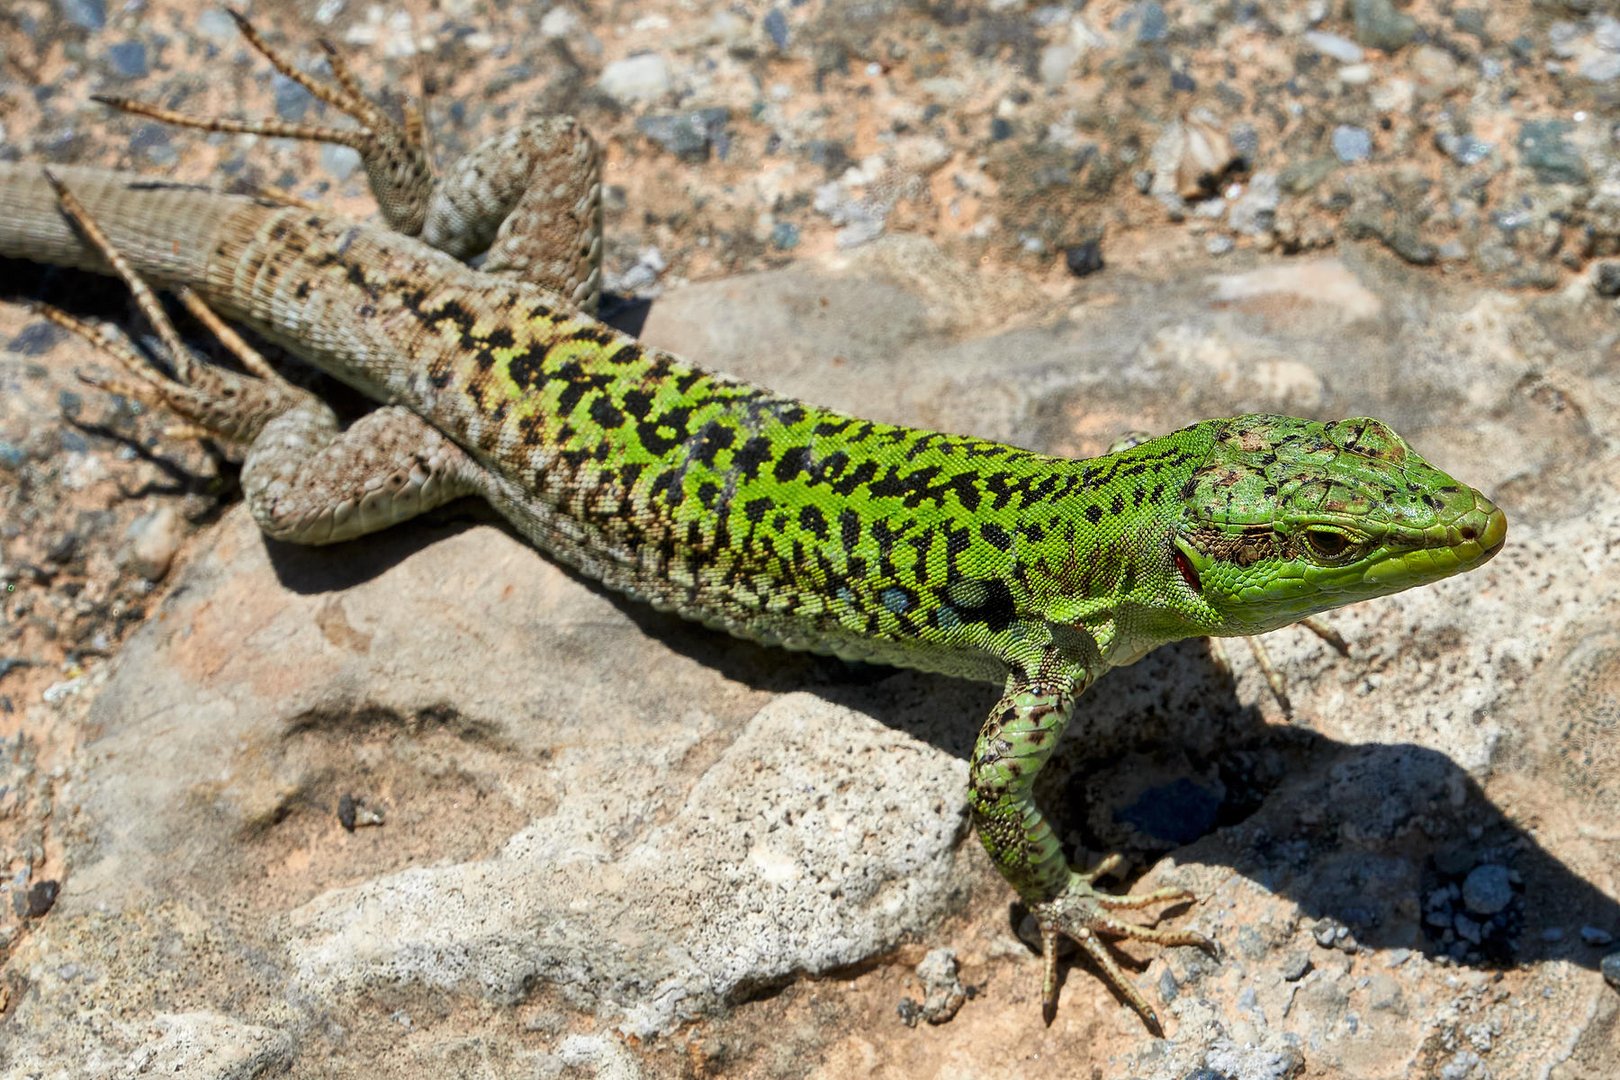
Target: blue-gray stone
85,14
128,59
1351,144
1152,24
784,236
776,25
1542,146
1610,966
292,100
155,143
1380,26
690,136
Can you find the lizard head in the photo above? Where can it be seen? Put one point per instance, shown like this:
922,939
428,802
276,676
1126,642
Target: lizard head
1289,517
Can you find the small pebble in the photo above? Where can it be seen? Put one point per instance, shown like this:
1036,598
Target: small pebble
85,14
636,78
1380,26
690,136
292,100
1610,966
42,897
1152,24
1543,147
1334,47
1351,144
1606,279
1219,244
1487,889
776,27
153,541
128,59
1596,936
784,236
1084,259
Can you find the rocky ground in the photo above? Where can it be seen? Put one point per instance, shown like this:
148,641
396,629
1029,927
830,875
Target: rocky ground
429,803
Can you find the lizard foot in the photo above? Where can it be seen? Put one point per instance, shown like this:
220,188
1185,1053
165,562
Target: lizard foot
1081,913
1262,658
303,479
213,402
395,154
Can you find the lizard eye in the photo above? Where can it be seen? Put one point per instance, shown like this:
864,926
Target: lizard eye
1328,544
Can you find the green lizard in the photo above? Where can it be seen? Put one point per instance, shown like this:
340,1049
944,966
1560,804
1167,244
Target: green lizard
765,516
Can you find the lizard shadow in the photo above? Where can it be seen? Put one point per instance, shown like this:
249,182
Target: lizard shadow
1386,846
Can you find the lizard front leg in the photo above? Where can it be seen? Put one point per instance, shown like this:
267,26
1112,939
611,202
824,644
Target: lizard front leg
1015,742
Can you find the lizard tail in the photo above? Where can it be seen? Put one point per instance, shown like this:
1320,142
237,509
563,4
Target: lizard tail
163,228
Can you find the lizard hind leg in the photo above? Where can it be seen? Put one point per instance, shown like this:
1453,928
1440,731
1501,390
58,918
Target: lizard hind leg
395,155
305,479
530,197
213,402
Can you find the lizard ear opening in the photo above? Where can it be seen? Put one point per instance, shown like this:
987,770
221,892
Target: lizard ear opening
1188,570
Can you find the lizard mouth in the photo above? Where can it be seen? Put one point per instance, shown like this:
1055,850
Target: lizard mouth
1481,535
1495,532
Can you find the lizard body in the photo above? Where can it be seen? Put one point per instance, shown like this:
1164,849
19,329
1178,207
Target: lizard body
763,515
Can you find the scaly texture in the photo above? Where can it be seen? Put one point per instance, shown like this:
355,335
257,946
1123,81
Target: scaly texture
770,517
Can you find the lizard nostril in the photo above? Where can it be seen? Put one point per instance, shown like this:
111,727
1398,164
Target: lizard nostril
1468,532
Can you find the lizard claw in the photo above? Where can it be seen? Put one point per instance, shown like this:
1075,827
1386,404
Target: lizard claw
1083,915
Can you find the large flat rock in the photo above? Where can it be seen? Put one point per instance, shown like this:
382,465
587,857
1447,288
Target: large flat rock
612,841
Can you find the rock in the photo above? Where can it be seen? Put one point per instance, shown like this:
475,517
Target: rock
644,77
1085,258
1380,26
85,14
784,236
1351,144
292,100
1301,177
153,540
1334,47
1152,24
127,59
690,136
1253,213
1606,279
776,28
1487,889
560,22
1056,61
1463,149
942,986
1545,149
1611,969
